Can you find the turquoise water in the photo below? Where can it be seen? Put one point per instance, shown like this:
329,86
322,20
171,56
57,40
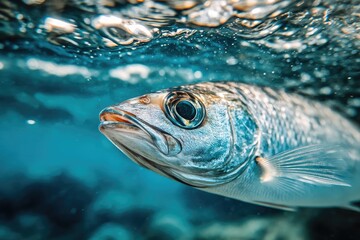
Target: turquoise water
60,64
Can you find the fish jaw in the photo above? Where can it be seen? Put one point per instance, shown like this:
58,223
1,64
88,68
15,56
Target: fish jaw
125,129
149,147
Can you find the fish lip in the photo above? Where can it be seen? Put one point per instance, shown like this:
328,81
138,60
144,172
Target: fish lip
114,117
111,117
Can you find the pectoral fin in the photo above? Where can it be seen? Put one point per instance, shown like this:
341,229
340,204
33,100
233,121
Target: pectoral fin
277,206
352,207
315,164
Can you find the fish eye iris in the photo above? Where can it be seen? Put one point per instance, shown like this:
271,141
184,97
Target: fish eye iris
186,109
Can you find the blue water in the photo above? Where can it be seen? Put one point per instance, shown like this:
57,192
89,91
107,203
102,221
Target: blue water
62,179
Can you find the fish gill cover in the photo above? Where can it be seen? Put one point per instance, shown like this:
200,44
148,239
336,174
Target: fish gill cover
63,61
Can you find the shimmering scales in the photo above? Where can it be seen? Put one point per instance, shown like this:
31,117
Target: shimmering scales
255,144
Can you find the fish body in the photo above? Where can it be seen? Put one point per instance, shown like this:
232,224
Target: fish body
245,142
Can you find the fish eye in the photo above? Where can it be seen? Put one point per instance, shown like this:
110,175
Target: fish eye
184,109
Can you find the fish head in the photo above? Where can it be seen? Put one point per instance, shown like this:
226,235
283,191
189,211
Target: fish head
180,133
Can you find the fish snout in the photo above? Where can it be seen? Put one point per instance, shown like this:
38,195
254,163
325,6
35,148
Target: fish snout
115,118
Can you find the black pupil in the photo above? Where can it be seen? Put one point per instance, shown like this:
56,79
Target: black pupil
186,110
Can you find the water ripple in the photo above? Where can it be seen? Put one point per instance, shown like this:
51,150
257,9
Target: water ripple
311,47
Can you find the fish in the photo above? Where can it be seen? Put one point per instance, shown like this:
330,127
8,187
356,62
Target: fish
251,143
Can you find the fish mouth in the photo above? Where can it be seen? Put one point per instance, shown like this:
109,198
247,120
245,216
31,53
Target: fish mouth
110,117
115,119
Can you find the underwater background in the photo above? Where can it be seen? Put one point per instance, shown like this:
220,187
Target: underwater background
61,62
